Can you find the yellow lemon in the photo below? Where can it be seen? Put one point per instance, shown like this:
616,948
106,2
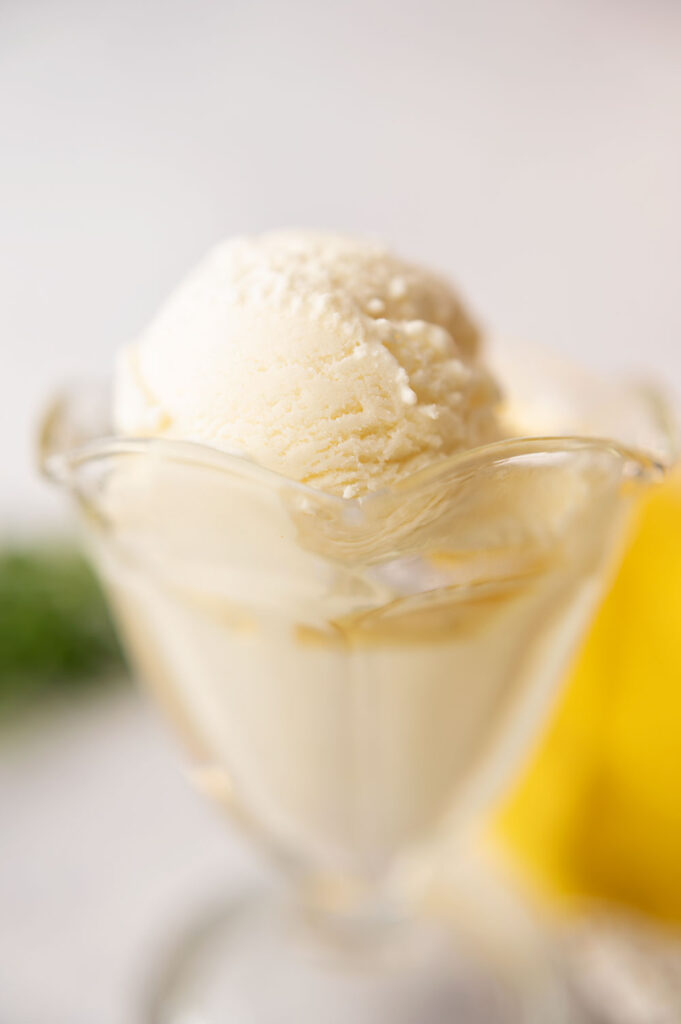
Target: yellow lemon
598,812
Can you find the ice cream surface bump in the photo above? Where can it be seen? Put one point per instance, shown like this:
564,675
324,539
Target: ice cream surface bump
325,358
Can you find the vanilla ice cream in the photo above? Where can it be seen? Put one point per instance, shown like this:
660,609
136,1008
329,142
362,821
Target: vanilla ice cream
328,359
352,643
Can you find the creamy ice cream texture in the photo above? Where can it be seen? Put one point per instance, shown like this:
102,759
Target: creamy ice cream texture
346,682
327,359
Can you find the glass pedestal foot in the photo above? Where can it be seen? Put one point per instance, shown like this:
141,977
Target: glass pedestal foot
260,959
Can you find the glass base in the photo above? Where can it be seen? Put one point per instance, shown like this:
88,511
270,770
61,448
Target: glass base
262,959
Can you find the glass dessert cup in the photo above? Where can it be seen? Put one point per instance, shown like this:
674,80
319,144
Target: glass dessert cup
353,679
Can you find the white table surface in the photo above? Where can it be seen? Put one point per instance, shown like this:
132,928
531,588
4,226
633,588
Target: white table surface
105,851
530,148
107,855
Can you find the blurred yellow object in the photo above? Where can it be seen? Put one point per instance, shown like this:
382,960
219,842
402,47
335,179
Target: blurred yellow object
597,814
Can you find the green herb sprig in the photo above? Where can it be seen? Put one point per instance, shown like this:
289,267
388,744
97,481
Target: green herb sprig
55,631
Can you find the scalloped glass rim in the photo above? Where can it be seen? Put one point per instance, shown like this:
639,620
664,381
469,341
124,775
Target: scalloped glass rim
62,463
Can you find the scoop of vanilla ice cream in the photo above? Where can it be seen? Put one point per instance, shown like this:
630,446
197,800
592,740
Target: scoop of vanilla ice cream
325,358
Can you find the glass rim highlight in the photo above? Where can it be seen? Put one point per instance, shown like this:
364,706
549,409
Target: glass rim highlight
62,462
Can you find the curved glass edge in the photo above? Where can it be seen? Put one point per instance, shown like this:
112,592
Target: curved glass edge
549,394
69,439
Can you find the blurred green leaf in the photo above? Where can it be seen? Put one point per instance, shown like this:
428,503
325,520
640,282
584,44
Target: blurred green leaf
55,629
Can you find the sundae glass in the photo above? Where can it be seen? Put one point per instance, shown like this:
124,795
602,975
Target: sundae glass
353,678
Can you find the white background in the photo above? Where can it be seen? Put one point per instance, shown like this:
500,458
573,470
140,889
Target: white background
531,148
